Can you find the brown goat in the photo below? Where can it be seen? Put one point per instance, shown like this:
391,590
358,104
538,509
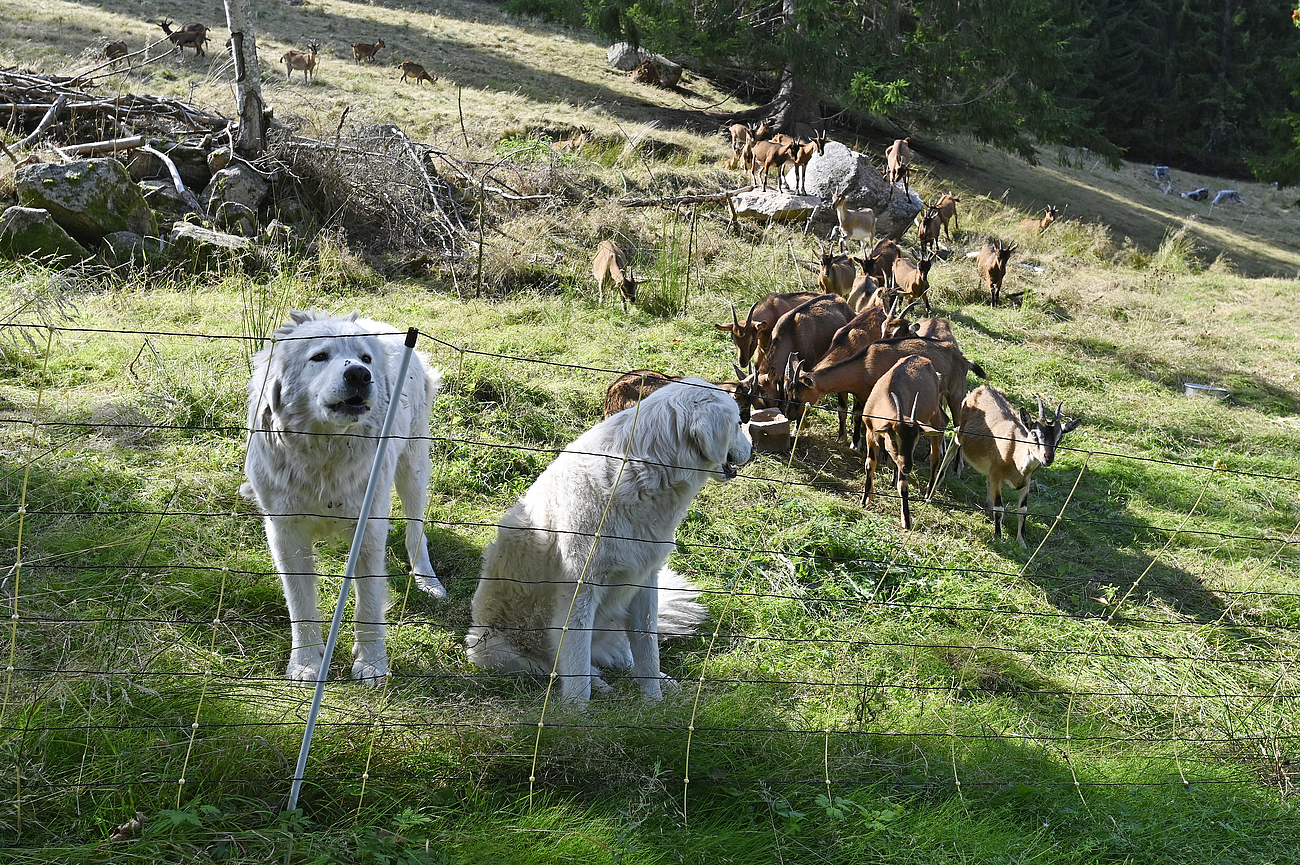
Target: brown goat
115,51
743,132
755,332
366,51
904,404
947,207
837,274
937,329
806,331
898,159
764,156
928,228
610,265
574,144
411,69
191,35
1005,448
646,73
803,154
863,329
632,387
866,286
859,225
858,373
304,63
992,265
912,281
1038,226
885,253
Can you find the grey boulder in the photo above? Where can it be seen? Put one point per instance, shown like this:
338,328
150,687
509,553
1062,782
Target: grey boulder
89,198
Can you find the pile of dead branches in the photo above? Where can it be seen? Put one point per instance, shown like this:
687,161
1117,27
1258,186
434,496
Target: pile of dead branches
65,111
387,191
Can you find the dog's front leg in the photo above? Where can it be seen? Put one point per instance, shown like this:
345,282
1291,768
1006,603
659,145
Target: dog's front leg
291,547
413,471
369,653
573,660
643,630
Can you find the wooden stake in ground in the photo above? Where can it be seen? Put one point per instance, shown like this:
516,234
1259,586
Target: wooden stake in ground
248,82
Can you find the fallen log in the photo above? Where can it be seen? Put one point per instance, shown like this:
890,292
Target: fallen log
685,199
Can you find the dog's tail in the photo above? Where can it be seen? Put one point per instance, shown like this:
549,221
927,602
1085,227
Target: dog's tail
679,613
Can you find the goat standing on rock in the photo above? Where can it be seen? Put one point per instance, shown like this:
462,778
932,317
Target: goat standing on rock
898,157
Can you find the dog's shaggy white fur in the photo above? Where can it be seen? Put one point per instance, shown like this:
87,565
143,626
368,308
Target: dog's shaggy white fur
574,580
316,405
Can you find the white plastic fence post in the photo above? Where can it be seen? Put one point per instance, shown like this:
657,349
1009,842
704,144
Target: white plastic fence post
362,519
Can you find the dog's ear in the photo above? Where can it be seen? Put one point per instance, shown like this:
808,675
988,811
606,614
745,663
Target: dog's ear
276,397
707,425
272,403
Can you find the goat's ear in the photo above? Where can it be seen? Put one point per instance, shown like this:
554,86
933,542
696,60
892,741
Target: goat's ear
762,326
1026,418
1071,425
725,328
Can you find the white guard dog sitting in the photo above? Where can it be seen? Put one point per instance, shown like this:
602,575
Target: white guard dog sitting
316,405
547,600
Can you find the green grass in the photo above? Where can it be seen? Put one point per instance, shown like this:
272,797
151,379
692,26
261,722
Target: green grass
1153,666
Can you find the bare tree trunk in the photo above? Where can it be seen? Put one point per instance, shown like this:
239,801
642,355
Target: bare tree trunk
248,79
792,104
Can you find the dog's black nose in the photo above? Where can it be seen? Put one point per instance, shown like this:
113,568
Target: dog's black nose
356,375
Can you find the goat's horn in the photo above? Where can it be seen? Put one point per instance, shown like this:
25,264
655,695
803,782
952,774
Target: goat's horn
1040,409
734,320
908,309
915,399
749,316
898,406
1057,419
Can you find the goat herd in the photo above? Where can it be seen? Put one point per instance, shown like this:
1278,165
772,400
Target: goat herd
853,337
195,35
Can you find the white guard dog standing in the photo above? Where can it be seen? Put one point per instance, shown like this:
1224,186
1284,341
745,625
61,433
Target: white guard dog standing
546,600
317,402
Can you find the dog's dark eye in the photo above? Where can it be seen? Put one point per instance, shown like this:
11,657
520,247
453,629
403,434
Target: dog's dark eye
320,356
365,358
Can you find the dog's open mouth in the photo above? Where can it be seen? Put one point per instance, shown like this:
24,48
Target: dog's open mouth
730,470
353,405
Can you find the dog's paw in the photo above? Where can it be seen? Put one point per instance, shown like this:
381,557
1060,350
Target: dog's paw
431,585
599,684
655,688
305,665
371,672
669,685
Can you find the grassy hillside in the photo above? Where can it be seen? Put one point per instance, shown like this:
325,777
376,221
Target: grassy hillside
1124,689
